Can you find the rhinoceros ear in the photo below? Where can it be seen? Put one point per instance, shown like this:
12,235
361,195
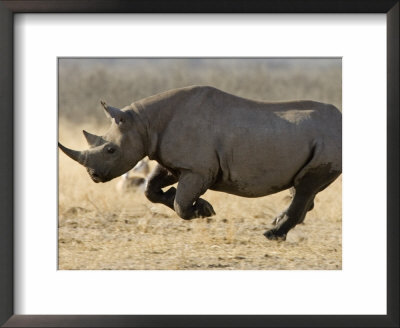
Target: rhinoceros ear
92,139
118,115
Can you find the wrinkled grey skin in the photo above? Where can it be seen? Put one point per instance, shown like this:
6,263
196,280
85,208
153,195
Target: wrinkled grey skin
204,138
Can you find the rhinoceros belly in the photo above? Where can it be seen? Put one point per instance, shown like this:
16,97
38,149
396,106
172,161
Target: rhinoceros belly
253,186
260,173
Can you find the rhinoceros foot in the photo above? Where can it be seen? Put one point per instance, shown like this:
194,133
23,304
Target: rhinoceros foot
203,209
275,235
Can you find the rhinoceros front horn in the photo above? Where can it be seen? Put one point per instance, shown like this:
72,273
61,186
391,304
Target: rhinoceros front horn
78,156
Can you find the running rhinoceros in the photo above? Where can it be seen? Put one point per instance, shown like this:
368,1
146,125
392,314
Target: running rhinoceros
204,138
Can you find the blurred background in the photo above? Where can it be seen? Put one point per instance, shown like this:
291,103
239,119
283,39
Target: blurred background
83,82
106,227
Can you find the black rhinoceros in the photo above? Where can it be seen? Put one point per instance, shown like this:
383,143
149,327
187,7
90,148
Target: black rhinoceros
204,138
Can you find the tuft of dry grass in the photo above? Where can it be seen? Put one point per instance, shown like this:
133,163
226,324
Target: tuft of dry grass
101,229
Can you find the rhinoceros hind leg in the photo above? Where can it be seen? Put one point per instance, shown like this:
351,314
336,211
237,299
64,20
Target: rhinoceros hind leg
187,203
312,181
288,219
281,216
278,218
271,235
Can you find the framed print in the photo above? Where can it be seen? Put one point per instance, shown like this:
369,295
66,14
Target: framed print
77,258
138,238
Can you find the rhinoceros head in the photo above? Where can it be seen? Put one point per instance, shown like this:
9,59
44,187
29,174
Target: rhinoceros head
114,153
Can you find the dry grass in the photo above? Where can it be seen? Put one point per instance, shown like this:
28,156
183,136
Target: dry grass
104,230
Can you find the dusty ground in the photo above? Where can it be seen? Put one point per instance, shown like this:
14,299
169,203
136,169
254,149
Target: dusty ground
100,228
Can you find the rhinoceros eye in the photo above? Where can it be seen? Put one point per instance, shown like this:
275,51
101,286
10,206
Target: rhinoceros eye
110,150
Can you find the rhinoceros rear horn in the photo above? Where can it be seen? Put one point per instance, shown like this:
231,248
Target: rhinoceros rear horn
78,156
115,113
92,139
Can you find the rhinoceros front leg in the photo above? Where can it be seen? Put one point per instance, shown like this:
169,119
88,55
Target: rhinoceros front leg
159,179
187,203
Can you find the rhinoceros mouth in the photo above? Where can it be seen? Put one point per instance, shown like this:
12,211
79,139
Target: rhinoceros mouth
98,179
95,176
106,179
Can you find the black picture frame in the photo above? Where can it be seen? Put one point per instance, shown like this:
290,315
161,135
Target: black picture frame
10,7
